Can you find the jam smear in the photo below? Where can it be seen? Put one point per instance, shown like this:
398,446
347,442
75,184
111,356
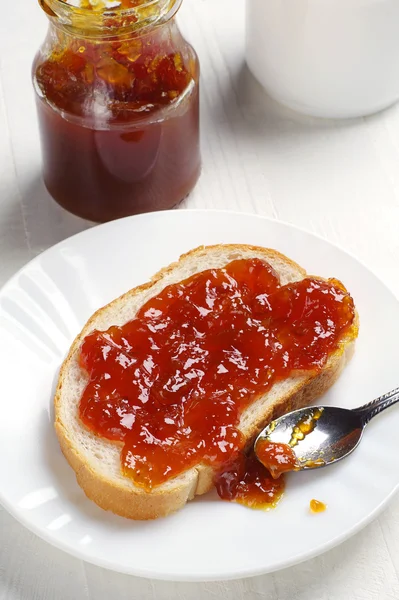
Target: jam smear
317,507
305,426
246,481
278,458
172,383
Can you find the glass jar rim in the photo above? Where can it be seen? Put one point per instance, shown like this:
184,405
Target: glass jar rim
111,20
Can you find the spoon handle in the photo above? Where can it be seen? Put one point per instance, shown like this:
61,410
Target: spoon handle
375,407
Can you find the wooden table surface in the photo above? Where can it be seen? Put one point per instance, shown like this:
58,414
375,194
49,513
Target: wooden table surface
338,179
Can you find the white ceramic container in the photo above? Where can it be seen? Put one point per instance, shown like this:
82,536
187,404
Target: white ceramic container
326,58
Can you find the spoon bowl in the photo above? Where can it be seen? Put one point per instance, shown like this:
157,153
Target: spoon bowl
319,436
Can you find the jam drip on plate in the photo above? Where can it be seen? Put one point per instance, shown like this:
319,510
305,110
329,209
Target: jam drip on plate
172,383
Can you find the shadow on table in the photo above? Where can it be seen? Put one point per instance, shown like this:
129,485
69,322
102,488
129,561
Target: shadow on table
245,106
35,215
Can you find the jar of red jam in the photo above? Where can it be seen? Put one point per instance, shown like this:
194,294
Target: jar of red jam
118,103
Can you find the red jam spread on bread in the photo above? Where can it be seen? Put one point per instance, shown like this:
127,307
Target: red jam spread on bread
172,384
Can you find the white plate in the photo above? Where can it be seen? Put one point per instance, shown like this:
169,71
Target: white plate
46,304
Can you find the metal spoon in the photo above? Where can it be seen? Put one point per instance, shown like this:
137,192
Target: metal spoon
321,436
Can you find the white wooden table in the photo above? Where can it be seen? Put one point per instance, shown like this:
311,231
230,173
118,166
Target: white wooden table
338,179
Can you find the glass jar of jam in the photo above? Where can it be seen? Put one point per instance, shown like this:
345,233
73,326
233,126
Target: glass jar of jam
118,103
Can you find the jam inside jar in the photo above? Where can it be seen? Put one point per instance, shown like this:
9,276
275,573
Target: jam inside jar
118,105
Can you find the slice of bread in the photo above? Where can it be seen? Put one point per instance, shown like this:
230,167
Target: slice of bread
96,461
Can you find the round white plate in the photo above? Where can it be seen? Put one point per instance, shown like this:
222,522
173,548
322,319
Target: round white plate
46,304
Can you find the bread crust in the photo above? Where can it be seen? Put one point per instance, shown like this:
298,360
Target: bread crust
122,497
